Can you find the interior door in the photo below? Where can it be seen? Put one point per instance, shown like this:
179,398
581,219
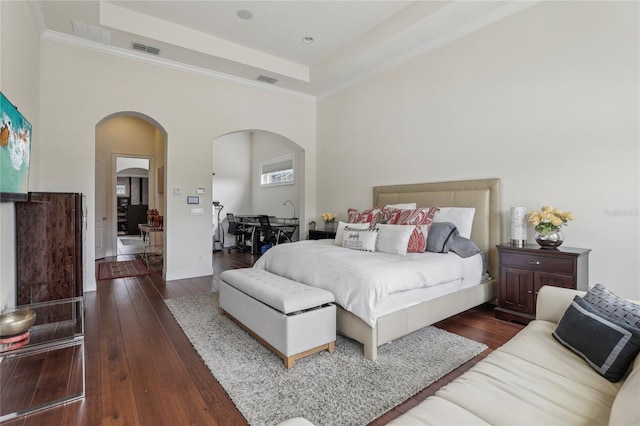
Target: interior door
101,216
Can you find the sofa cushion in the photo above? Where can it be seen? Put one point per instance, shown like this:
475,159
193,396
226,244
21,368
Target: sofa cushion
626,409
536,345
505,390
437,411
618,342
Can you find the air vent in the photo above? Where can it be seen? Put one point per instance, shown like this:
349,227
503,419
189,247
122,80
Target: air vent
144,48
266,79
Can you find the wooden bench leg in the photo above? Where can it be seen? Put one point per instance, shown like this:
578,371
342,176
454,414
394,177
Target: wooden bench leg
289,361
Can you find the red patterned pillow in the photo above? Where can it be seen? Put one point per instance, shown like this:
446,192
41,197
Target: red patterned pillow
421,217
372,216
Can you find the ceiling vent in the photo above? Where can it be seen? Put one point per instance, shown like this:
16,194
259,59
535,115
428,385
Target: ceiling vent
266,79
91,32
144,48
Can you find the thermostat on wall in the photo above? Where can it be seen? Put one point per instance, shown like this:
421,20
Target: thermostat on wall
193,200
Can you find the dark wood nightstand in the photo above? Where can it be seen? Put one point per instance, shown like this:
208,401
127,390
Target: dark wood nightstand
523,270
320,235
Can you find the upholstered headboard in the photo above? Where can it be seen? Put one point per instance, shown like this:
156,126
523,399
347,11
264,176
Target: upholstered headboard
483,195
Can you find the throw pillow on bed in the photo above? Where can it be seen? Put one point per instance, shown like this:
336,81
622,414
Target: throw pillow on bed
393,239
441,237
609,346
360,239
421,218
371,216
462,217
340,230
400,206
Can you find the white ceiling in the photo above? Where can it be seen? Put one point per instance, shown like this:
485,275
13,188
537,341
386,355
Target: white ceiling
352,39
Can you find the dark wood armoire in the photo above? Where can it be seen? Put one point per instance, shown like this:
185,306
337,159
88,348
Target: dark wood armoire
49,237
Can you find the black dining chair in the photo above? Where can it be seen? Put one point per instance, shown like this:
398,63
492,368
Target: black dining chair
237,231
270,234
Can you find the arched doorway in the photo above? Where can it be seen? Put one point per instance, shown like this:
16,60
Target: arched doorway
236,164
133,135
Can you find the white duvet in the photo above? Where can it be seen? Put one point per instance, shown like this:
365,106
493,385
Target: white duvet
359,280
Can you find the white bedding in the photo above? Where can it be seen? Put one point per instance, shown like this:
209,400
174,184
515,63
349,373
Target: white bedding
361,281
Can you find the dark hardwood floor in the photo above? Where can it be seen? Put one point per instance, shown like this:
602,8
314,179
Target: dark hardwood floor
142,370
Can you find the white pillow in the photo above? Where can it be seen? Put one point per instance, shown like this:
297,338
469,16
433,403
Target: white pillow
360,239
393,238
461,217
405,206
340,230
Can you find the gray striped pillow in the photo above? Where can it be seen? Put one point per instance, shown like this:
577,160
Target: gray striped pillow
613,306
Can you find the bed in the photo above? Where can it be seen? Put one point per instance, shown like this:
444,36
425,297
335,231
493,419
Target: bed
407,310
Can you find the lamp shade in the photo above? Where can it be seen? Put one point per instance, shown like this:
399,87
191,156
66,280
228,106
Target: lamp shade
518,226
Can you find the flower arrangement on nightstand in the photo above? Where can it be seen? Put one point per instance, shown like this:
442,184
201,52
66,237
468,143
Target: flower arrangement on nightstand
547,223
329,220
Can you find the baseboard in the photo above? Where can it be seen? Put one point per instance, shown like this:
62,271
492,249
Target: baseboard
188,273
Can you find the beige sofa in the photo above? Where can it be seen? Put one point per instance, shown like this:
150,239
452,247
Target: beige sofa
533,379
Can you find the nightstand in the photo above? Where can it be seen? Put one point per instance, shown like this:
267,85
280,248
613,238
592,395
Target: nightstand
321,235
523,270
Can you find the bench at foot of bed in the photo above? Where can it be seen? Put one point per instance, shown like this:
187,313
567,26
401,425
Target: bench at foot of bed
291,319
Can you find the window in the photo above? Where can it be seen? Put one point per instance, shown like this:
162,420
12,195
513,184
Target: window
277,172
121,190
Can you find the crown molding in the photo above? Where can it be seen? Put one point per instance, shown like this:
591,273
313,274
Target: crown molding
166,63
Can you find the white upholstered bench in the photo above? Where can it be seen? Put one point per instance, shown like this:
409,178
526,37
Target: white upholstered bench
292,319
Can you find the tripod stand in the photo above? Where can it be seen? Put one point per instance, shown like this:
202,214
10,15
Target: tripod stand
218,236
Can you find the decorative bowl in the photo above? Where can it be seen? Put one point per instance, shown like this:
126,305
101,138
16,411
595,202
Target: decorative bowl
16,322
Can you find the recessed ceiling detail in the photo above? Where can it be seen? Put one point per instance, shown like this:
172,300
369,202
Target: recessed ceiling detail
352,40
91,32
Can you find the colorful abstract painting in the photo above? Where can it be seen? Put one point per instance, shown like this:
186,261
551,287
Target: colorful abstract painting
15,148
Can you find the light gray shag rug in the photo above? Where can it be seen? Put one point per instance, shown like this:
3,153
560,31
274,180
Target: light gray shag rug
339,389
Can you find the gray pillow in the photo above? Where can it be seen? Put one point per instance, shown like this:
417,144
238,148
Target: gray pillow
463,247
609,346
440,236
613,306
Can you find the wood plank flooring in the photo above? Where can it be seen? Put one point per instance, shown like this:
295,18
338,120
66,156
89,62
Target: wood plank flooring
142,370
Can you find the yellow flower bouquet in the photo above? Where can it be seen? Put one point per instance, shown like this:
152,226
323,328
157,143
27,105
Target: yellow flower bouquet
549,219
329,217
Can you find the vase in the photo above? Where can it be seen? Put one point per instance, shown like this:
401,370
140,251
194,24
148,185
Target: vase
330,226
553,239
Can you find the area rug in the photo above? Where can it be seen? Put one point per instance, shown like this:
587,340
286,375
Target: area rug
122,269
328,389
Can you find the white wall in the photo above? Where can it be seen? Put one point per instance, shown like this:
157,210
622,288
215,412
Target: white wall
232,180
83,87
547,100
19,74
270,200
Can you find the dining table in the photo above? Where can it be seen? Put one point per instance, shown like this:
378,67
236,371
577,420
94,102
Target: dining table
251,224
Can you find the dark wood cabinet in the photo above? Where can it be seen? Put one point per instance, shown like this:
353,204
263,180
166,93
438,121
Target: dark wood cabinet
49,238
524,270
320,235
135,216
